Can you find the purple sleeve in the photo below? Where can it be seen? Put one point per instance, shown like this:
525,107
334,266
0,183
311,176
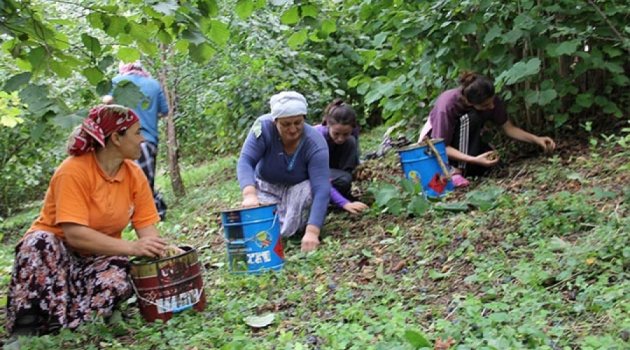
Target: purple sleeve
337,198
319,175
251,153
441,125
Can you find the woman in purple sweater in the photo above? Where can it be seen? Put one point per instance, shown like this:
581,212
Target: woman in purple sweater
458,118
340,130
285,161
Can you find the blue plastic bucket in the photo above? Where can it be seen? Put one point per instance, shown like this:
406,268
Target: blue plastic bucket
421,166
253,239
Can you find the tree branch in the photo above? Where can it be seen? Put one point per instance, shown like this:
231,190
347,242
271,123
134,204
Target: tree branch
612,27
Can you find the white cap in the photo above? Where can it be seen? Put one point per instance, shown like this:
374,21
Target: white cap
287,104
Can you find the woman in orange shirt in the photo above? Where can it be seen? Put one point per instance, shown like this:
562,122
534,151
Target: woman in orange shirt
72,263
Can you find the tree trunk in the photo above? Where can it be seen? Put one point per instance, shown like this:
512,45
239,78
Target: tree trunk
172,149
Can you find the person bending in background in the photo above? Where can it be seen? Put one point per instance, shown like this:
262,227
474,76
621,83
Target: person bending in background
149,110
339,128
72,265
285,161
458,117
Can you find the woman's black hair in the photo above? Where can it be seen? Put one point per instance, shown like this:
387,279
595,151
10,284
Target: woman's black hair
476,88
339,112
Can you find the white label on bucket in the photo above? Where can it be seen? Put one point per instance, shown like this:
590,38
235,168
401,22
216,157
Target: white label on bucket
259,258
178,302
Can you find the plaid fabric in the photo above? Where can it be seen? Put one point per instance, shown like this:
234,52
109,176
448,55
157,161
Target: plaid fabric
147,163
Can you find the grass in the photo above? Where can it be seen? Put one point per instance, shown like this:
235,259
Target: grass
543,266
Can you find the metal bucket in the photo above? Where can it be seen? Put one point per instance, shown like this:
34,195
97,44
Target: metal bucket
253,239
421,165
168,285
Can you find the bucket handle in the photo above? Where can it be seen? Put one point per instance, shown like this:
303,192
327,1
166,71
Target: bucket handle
275,217
179,308
447,173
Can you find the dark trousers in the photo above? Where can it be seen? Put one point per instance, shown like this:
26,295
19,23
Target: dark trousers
344,159
468,140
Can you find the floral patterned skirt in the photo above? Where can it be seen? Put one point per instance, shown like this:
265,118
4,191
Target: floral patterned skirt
60,287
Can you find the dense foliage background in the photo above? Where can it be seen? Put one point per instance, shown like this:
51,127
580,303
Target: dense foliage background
559,64
535,256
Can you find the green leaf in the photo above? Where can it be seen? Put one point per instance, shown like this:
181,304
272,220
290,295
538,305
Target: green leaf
115,25
492,34
37,58
484,199
166,7
418,205
298,38
106,62
201,53
385,194
519,71
454,206
244,8
92,44
309,11
128,94
260,321
328,27
467,27
93,75
524,21
379,39
290,16
208,8
512,36
546,96
564,48
104,87
128,54
417,339
614,68
36,98
62,69
95,20
584,100
193,36
219,33
16,82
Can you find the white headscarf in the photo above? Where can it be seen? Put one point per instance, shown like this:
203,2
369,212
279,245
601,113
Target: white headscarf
287,104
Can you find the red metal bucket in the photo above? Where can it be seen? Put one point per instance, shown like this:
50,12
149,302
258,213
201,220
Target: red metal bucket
169,285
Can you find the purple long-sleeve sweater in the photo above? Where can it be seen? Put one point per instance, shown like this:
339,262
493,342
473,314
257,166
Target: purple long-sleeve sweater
263,156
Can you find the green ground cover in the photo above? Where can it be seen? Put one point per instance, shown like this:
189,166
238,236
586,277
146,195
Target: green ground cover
534,257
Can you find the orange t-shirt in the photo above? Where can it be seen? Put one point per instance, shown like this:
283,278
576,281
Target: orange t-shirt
81,193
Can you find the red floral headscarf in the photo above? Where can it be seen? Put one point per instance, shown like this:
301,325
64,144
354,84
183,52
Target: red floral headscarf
102,121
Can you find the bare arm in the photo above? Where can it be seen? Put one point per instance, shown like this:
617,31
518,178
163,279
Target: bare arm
250,199
513,131
483,159
87,239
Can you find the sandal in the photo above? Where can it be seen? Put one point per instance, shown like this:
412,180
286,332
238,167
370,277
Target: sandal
459,181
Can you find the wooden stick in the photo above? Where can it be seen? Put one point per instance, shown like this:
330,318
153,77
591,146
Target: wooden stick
439,158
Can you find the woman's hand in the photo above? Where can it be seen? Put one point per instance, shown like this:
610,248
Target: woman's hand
355,207
310,241
151,246
488,159
546,143
250,201
250,198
